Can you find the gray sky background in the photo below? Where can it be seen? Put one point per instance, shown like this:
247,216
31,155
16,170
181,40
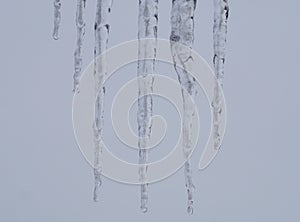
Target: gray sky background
255,177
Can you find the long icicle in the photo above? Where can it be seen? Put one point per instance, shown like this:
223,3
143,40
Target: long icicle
147,35
182,33
57,19
221,12
80,24
101,40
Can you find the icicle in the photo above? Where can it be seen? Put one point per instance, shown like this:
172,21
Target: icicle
182,32
80,24
221,11
147,32
101,40
57,19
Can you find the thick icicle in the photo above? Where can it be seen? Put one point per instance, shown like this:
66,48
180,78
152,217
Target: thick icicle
57,19
182,33
147,35
101,40
80,24
221,11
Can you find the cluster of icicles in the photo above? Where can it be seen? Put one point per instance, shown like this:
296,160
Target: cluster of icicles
182,32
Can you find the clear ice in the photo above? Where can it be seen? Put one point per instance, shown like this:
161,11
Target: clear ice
57,19
147,32
181,40
182,33
221,12
101,40
80,25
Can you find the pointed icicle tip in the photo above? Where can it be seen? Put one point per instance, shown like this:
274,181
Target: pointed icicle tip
55,36
190,210
144,209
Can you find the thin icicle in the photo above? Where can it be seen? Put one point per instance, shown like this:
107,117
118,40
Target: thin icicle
221,11
182,33
57,19
101,41
80,24
147,35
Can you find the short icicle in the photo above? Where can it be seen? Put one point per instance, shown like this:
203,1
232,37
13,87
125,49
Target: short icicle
57,19
221,12
147,35
80,24
101,40
181,40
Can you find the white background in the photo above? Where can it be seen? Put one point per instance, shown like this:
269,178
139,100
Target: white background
44,177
